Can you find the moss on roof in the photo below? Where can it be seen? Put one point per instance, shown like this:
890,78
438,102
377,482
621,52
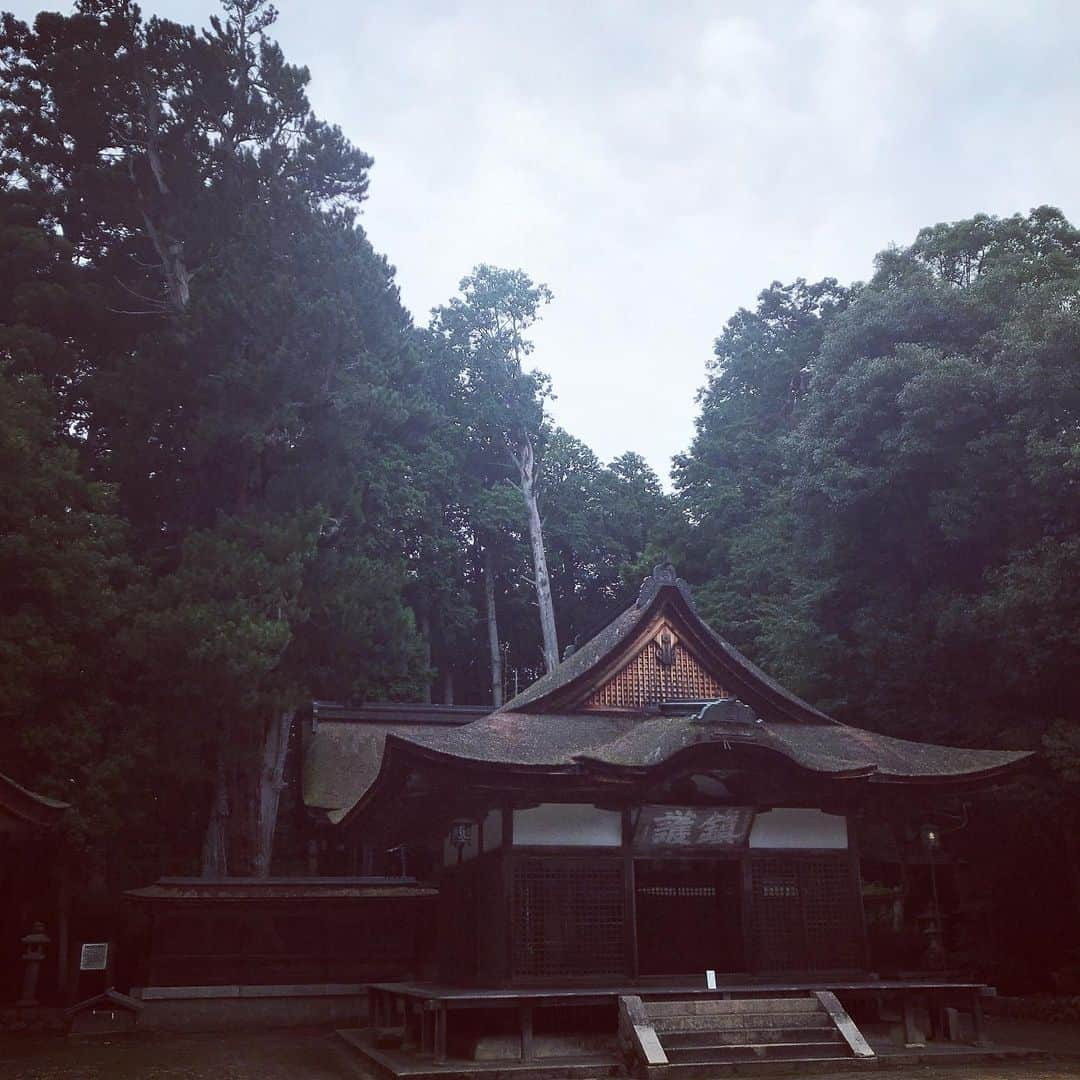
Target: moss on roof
343,759
641,743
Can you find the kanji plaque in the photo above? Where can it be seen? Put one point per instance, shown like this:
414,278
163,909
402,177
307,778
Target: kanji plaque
693,826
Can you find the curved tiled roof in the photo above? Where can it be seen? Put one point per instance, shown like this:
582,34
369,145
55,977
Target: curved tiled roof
543,729
341,762
559,741
576,744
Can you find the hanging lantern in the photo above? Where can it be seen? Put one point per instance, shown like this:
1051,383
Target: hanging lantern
460,835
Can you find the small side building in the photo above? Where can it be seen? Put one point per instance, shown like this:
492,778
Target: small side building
31,886
251,952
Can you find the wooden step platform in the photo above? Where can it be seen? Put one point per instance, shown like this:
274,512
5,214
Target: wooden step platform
750,1028
696,1036
403,1065
407,1065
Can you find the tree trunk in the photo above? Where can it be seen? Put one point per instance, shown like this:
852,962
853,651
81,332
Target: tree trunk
425,645
448,687
271,782
215,852
492,627
169,249
525,459
63,925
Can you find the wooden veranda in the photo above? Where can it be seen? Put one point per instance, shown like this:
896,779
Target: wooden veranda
424,1011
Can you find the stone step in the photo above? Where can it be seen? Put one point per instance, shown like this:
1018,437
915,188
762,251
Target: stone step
717,1006
741,1022
781,1067
681,1039
698,1055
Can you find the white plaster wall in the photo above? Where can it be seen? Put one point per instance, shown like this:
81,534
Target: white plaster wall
575,824
493,829
790,827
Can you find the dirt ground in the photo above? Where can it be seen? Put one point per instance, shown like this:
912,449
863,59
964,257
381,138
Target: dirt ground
317,1054
294,1054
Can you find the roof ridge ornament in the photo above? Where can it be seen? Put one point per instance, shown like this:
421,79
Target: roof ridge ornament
727,711
663,575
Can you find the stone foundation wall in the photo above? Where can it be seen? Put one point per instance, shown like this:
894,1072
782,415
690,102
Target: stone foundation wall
219,1008
1058,1008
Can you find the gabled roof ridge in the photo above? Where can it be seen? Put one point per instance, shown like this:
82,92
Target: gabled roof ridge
578,662
665,584
744,661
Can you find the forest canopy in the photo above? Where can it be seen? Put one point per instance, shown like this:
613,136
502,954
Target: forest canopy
237,476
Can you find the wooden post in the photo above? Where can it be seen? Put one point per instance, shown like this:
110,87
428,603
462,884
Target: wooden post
507,929
746,916
526,1014
630,894
427,1029
440,1032
978,1021
855,864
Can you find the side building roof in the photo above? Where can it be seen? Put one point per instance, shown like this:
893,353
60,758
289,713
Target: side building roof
26,808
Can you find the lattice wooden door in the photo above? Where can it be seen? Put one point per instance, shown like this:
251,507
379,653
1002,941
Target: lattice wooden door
805,915
568,917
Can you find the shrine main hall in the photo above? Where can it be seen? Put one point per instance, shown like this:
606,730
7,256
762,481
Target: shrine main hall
658,829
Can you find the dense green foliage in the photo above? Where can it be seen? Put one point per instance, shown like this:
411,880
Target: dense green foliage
884,490
235,476
884,506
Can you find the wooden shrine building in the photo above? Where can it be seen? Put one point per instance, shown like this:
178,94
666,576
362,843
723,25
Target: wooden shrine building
654,808
31,886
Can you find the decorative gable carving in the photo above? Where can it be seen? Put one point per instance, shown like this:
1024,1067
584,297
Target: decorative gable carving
664,669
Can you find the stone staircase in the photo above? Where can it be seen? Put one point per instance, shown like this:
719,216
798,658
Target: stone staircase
693,1036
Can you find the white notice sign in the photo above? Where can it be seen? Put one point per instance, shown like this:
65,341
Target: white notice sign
710,980
94,956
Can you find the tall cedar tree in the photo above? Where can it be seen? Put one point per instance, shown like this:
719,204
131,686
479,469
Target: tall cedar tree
249,383
485,328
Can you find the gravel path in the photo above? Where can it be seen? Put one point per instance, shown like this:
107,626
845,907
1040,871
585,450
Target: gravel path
317,1054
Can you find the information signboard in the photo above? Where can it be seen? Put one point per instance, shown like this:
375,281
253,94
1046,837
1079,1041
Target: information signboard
94,956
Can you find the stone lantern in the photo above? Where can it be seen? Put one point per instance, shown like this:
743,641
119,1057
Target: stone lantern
36,943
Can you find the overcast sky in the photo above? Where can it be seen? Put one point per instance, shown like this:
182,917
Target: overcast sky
658,164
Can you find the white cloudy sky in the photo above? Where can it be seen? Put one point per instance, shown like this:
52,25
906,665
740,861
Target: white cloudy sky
658,163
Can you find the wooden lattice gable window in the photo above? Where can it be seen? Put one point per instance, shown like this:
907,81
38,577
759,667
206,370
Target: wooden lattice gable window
657,652
664,667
